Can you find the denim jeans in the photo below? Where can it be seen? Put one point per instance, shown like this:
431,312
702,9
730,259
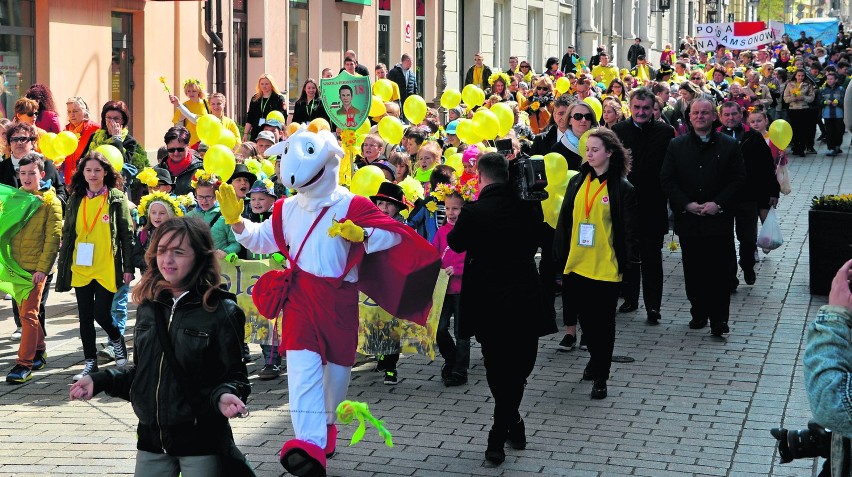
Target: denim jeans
270,354
119,308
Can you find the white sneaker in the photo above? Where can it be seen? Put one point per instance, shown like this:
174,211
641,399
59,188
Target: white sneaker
16,335
90,367
7,297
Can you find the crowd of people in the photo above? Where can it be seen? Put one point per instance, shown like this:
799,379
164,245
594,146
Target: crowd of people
683,140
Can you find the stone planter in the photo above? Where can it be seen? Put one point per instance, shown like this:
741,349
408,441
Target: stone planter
830,237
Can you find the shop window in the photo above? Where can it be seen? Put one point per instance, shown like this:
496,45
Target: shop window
298,59
17,54
121,69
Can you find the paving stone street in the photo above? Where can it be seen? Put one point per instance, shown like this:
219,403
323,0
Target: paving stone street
689,404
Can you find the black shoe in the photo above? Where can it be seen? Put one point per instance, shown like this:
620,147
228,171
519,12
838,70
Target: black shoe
832,153
270,371
246,354
567,343
40,360
583,345
628,306
750,276
587,374
653,317
698,323
517,436
19,375
446,370
494,453
719,329
455,379
837,150
810,150
599,389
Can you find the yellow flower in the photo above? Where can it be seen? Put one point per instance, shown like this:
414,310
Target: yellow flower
48,196
673,246
432,207
535,105
148,177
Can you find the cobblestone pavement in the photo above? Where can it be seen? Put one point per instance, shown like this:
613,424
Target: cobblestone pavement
688,405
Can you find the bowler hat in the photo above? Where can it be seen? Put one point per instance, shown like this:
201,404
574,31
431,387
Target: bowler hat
390,192
240,170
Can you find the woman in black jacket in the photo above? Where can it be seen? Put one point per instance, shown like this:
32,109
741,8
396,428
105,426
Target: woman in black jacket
266,99
596,240
309,106
189,377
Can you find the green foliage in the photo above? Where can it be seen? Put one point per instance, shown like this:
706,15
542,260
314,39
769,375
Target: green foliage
140,158
771,10
834,203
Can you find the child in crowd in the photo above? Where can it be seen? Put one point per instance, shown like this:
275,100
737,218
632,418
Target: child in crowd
156,208
262,198
469,162
456,353
428,156
196,104
203,382
390,200
833,94
402,162
758,121
429,213
206,185
242,180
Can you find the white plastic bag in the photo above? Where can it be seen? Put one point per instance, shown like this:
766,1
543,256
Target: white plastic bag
783,176
770,237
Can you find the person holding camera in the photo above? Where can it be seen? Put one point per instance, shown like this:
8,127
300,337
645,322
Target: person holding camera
500,296
827,363
596,241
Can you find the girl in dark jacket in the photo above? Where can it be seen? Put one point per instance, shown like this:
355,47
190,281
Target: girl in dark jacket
188,377
596,239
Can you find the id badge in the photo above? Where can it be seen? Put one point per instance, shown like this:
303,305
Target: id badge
85,254
586,235
261,122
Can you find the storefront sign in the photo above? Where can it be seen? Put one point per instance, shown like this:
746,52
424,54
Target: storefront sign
255,47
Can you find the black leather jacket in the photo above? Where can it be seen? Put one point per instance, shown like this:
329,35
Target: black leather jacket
624,209
208,345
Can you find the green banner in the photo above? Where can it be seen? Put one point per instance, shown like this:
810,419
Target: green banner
347,99
16,209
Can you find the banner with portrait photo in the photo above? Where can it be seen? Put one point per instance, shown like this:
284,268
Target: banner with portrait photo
346,98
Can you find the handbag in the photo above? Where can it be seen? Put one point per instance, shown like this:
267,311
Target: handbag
233,462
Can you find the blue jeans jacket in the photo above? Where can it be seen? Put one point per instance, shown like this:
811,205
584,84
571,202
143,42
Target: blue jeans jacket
828,368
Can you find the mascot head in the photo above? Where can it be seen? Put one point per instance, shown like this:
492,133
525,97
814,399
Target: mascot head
310,161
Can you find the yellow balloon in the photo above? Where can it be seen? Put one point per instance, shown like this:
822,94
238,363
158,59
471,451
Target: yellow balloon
486,123
471,96
225,138
219,160
113,155
596,106
383,88
277,115
450,151
555,196
505,117
65,143
556,169
780,133
390,129
267,167
455,161
377,107
466,131
364,128
414,109
581,146
450,98
45,145
563,85
366,181
208,127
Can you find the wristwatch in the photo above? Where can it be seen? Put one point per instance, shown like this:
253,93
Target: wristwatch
366,235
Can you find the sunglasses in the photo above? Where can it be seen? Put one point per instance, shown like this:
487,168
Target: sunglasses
542,89
28,114
22,139
525,66
580,116
173,150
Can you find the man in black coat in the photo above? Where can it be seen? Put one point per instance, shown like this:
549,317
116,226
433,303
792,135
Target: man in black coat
647,141
702,176
500,297
404,77
568,60
761,189
635,50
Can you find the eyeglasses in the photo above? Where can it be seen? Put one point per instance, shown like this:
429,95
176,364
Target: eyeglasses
581,116
22,139
114,118
205,197
28,114
173,150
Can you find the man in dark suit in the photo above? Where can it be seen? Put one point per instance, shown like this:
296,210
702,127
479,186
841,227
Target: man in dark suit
500,288
702,176
647,140
635,50
568,60
404,77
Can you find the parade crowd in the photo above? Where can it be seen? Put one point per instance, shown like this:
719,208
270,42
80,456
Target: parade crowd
680,151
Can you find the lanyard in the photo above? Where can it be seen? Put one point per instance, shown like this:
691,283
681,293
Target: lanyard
589,186
310,107
97,215
263,105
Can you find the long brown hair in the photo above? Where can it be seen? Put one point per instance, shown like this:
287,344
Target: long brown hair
619,162
204,276
112,179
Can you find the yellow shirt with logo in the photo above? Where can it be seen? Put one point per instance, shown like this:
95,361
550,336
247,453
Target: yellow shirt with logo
597,262
103,263
606,73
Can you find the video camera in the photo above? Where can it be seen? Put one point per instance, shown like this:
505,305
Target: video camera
526,174
815,441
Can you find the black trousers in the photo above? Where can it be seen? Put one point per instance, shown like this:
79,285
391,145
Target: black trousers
745,226
509,360
94,303
593,303
651,272
802,124
833,132
41,316
706,275
547,270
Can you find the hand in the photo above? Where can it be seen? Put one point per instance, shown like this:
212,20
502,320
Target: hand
840,295
219,254
231,406
695,208
348,230
449,271
773,202
114,127
230,206
82,389
128,277
38,277
174,99
711,208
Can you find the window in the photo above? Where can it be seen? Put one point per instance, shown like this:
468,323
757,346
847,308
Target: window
500,55
564,33
534,40
420,45
17,60
121,70
298,60
383,33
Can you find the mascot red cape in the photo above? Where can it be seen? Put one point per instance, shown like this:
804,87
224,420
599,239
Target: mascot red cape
336,243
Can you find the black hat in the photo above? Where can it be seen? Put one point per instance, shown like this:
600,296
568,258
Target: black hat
242,171
163,176
390,192
664,70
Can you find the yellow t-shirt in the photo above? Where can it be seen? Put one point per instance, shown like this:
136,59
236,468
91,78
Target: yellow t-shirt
597,262
477,76
95,211
607,74
230,125
195,108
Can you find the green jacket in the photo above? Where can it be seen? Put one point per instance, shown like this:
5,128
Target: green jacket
35,246
121,230
223,235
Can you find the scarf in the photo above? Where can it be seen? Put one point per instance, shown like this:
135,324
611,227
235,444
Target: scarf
100,137
177,168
